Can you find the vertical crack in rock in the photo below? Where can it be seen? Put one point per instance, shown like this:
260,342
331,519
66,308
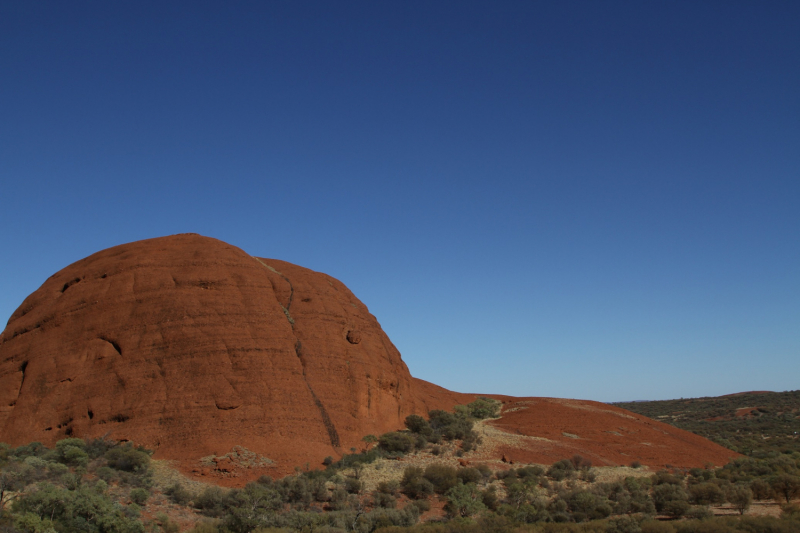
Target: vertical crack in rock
291,292
22,368
323,413
298,350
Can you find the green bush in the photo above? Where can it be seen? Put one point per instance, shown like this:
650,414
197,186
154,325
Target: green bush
706,494
178,494
442,477
387,501
72,452
484,408
414,485
561,470
417,424
397,442
127,459
211,502
469,475
139,496
464,500
670,499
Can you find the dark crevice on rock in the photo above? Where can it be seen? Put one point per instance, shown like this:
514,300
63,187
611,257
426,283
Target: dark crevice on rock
114,344
69,284
326,419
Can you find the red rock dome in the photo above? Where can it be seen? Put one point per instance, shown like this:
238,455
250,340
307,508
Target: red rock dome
190,346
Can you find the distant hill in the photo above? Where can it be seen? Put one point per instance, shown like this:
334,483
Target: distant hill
752,423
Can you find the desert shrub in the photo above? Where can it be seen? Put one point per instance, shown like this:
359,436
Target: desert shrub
381,499
167,526
246,508
353,486
83,509
698,512
442,477
139,496
128,459
654,526
741,497
72,452
623,524
706,494
422,505
469,475
464,500
417,424
561,470
98,447
436,450
636,464
585,505
490,499
414,485
580,462
449,426
470,441
484,408
34,449
106,474
761,489
72,480
670,499
178,494
785,486
211,502
530,472
503,475
389,487
397,441
664,477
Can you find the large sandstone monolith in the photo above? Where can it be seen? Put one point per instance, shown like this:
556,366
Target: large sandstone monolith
190,346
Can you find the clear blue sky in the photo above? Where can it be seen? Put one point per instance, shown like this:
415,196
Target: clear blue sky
576,199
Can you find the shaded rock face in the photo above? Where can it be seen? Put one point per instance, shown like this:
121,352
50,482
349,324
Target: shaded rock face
190,346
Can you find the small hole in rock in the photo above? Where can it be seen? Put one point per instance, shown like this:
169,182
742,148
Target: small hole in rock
91,414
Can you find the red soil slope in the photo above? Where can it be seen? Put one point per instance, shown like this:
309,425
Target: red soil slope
607,435
190,346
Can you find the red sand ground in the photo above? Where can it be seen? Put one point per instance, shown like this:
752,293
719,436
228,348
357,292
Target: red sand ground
605,434
190,346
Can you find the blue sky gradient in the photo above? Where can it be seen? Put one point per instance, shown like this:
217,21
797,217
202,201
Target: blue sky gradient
576,199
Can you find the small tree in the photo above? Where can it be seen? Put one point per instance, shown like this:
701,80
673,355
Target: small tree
369,440
786,486
464,500
741,497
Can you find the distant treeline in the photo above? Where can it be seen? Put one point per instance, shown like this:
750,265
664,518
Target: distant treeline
754,424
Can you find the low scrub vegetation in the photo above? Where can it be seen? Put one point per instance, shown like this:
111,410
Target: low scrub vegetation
101,486
751,424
